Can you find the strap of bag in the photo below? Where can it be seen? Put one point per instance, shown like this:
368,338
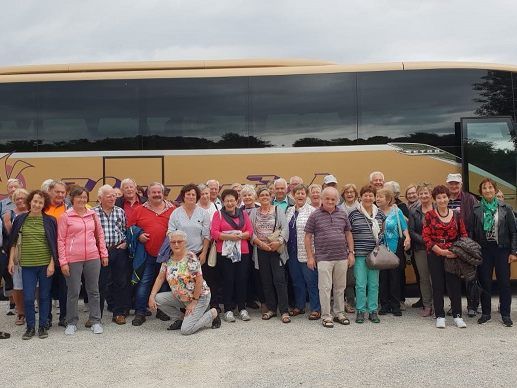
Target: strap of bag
95,232
401,235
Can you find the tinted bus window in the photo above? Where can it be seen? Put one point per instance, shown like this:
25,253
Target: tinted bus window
423,106
88,115
304,110
194,113
17,118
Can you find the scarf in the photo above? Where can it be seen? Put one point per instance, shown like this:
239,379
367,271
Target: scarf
489,209
230,219
376,228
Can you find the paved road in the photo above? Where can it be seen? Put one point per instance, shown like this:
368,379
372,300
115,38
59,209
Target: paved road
398,352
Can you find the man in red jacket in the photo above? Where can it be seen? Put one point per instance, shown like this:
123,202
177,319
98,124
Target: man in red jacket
153,218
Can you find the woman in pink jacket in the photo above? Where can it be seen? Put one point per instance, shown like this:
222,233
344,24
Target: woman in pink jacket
81,249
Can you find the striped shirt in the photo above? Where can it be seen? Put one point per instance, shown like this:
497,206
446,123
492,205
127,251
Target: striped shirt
364,242
113,225
329,234
35,249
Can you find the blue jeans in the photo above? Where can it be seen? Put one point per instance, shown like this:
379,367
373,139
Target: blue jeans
143,288
304,280
30,278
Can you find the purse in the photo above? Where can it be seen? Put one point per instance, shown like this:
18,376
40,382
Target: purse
212,255
275,236
381,258
18,256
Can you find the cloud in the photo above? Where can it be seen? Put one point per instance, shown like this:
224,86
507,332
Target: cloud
342,31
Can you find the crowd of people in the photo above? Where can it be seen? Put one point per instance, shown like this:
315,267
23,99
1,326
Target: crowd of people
287,249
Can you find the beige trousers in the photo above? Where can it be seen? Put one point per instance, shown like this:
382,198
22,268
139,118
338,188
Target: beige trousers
332,277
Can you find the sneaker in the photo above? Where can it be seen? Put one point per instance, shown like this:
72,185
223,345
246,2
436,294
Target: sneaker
359,318
176,325
70,329
373,317
29,334
138,320
440,323
97,328
459,322
228,316
42,332
244,315
507,321
471,313
484,319
11,309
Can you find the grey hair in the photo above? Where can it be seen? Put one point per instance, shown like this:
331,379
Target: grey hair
376,173
45,185
152,184
55,183
282,181
180,233
393,186
208,182
248,189
102,189
13,180
125,181
295,177
330,189
202,186
313,186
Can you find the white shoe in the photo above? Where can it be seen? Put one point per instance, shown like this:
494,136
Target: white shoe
70,329
228,316
459,322
440,323
244,315
97,328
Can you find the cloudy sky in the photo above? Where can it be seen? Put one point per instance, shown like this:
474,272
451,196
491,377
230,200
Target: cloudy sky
343,31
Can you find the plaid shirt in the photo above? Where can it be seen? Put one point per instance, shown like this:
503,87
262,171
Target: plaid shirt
113,225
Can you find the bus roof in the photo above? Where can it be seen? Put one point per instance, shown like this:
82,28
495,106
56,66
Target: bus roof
215,68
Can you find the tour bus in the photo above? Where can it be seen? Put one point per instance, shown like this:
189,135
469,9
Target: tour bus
251,121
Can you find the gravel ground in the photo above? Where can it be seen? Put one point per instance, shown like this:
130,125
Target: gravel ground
398,352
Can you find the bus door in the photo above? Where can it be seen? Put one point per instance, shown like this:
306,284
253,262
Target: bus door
488,149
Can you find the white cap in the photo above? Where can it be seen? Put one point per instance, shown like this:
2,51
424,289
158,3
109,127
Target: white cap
329,179
454,178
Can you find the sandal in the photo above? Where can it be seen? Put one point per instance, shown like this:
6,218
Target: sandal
342,319
20,320
327,323
314,316
296,311
349,309
268,315
286,318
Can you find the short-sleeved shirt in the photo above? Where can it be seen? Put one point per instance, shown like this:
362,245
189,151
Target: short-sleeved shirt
329,234
283,204
181,276
56,211
196,227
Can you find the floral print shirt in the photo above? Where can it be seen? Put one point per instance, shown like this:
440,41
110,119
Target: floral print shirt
181,276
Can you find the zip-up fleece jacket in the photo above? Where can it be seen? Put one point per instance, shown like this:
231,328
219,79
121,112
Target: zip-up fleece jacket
76,237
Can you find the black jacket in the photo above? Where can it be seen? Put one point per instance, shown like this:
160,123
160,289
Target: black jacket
506,227
120,201
416,225
50,226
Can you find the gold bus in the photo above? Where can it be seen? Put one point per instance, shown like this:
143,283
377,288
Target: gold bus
251,121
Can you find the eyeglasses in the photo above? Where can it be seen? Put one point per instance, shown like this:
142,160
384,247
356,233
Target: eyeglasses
177,241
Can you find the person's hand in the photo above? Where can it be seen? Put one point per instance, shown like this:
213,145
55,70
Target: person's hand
236,236
66,270
202,258
450,255
265,247
274,245
143,238
152,303
512,258
10,267
190,307
104,261
50,269
351,259
311,263
407,243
